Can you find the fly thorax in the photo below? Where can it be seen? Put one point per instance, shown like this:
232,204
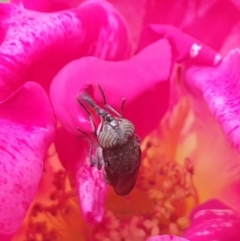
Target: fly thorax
127,128
111,135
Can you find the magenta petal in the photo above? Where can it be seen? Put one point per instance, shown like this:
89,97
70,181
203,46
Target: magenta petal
214,221
46,5
220,88
27,37
26,131
92,191
203,20
71,149
37,45
141,80
167,238
105,31
185,47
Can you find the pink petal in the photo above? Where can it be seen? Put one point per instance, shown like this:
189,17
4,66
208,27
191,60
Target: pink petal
36,45
220,89
71,149
167,238
232,39
214,95
214,221
236,3
212,17
26,132
185,47
92,191
47,6
177,12
201,19
141,80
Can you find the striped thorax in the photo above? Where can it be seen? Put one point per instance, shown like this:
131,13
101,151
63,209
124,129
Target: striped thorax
113,136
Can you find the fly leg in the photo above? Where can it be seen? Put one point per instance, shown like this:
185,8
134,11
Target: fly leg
109,107
93,160
89,115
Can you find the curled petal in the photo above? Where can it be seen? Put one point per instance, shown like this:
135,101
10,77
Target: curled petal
27,37
166,238
203,20
33,41
214,221
236,3
185,47
106,32
92,191
141,80
208,15
26,132
71,149
47,6
220,89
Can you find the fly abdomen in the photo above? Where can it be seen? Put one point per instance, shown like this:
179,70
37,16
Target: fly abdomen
124,159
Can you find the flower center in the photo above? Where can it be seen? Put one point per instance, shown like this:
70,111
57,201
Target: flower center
57,207
165,196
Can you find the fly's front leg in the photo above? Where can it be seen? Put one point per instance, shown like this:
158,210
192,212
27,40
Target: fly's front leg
109,106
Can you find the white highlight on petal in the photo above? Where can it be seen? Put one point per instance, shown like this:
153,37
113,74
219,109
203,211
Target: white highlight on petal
205,232
217,59
217,212
195,49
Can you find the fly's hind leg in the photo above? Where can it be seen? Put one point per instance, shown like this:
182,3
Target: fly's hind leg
93,144
92,160
89,115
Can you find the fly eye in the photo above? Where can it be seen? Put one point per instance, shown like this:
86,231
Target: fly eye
108,119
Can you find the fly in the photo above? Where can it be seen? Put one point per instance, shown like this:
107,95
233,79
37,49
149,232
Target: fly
117,146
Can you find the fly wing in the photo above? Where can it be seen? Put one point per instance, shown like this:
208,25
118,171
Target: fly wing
122,183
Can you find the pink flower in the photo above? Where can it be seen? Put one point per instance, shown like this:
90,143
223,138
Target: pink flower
186,116
193,53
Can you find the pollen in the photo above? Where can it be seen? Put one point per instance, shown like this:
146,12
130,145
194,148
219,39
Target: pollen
46,218
129,229
169,186
165,189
